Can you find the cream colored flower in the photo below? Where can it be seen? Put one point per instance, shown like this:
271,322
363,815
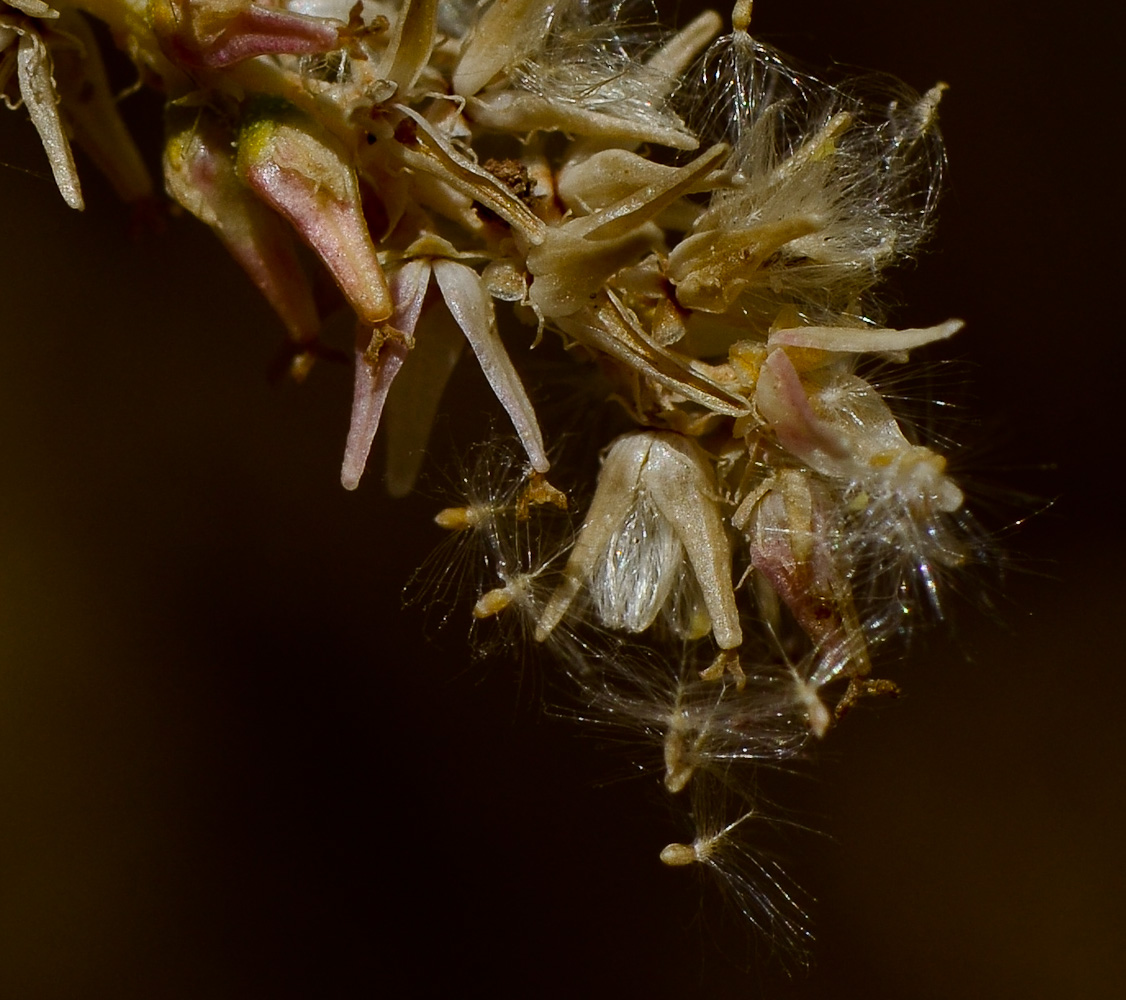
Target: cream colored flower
700,228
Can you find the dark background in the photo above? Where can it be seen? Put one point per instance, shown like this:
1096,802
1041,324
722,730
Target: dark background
231,766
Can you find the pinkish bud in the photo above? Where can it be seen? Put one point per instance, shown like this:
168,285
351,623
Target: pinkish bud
199,172
212,34
302,172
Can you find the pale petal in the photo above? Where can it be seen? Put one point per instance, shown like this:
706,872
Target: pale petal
711,269
523,112
863,340
471,307
90,109
674,58
575,259
411,43
413,401
619,480
682,485
434,153
505,34
42,101
33,8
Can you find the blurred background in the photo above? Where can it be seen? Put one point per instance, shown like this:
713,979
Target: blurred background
232,765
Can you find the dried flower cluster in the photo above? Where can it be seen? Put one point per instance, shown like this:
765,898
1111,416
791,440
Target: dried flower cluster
701,226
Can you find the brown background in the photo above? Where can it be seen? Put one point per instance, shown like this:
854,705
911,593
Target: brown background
230,767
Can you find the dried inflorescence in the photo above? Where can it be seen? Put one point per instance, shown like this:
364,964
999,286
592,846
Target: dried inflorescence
702,226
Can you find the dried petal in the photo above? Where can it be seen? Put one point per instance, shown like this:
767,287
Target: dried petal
863,340
507,32
851,435
655,509
795,546
90,110
380,354
412,403
576,259
411,43
38,89
471,307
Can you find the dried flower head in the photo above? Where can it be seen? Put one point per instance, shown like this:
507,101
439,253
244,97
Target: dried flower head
703,228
